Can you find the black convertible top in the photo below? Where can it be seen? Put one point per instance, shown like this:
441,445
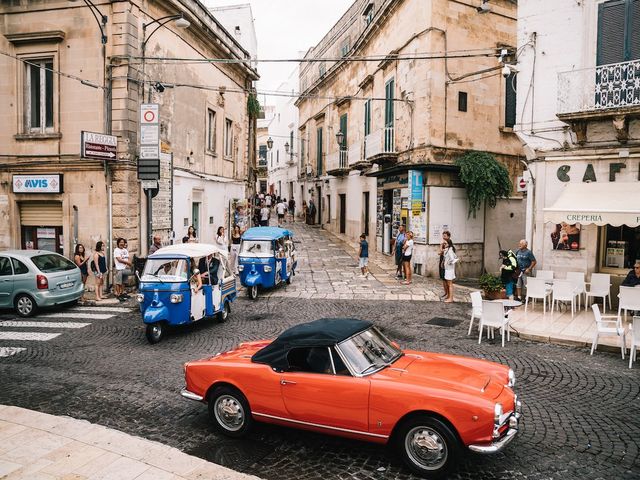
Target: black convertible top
319,333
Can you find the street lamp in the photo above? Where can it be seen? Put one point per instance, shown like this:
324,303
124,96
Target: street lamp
102,23
270,143
340,138
180,22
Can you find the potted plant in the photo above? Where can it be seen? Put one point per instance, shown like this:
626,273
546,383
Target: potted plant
492,286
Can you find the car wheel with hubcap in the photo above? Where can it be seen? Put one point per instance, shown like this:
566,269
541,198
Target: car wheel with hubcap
253,292
223,314
25,305
229,411
154,332
428,446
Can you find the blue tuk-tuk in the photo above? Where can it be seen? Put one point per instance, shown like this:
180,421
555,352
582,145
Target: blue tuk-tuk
167,287
267,258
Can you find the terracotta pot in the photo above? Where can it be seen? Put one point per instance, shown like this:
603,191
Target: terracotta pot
495,295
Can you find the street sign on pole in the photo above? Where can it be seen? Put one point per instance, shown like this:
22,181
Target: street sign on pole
98,146
148,169
149,157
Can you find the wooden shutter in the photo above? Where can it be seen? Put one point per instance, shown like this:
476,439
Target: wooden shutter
611,32
319,151
635,31
41,214
510,101
343,129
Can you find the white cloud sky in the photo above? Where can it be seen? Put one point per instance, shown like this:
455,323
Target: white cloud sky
286,27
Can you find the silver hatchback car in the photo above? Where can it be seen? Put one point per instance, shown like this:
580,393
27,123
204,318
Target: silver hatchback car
30,279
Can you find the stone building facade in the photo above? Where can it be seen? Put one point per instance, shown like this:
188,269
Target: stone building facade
430,90
580,123
58,79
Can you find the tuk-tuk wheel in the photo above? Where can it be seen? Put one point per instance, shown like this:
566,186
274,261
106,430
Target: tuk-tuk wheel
154,332
223,314
253,292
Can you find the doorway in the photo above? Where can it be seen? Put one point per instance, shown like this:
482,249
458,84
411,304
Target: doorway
319,202
195,217
365,213
343,212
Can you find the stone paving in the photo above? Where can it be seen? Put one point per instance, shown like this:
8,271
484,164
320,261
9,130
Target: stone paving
328,268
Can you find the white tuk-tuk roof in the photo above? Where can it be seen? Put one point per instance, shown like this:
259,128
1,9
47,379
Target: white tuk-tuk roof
190,250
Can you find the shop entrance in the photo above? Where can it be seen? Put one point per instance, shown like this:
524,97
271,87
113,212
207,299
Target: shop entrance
41,226
343,212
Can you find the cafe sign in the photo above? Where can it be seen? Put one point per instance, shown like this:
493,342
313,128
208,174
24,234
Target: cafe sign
37,183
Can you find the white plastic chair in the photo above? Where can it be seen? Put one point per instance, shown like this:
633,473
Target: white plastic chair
545,274
476,308
599,287
577,278
494,316
634,330
628,299
536,288
609,325
564,291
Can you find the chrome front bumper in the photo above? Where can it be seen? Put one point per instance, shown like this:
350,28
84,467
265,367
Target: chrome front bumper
190,395
500,443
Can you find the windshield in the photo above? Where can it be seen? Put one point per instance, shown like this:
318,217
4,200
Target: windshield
51,262
369,351
256,248
165,270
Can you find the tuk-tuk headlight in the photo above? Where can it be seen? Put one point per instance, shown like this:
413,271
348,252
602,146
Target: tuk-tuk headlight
240,268
267,268
140,297
176,297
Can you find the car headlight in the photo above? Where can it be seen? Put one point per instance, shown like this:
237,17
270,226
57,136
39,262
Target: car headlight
176,297
512,378
497,413
140,297
240,268
267,268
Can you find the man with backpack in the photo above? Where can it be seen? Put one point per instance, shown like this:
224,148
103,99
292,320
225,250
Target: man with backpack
509,271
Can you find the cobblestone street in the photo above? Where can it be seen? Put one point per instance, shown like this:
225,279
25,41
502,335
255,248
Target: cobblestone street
581,412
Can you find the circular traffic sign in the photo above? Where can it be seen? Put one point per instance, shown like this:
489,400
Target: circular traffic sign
523,183
149,116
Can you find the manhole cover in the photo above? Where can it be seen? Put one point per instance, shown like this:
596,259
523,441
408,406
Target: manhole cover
443,322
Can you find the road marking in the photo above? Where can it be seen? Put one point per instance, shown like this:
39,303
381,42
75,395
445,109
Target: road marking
38,337
10,323
84,316
8,351
102,309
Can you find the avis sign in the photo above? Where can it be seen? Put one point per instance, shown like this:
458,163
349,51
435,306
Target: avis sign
37,183
99,146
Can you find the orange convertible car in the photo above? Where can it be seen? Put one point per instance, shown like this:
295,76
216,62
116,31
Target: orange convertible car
344,377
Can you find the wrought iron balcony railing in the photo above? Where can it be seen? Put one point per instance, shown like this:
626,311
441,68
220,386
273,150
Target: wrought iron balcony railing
600,89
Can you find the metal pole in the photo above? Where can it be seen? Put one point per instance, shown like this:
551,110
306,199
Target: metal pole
149,217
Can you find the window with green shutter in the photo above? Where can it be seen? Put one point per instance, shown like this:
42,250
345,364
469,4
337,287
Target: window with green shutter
618,31
510,101
319,151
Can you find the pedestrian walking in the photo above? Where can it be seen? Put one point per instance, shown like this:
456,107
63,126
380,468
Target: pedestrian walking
122,263
292,210
450,260
156,245
267,201
99,268
81,259
265,213
305,211
311,212
508,271
444,244
407,253
526,263
281,209
398,243
363,255
221,239
236,237
192,234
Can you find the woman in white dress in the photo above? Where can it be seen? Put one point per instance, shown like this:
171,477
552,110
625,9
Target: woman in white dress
197,295
450,259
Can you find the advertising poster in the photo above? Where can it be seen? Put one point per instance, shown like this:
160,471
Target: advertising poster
566,237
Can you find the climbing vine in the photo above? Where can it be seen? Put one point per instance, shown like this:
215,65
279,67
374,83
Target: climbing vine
485,179
253,105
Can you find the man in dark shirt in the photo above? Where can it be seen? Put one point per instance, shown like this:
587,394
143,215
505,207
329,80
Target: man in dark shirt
633,277
208,267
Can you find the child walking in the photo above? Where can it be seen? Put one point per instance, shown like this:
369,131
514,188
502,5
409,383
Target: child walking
364,256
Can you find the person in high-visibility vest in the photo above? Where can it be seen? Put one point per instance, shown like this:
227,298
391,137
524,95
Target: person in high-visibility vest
508,270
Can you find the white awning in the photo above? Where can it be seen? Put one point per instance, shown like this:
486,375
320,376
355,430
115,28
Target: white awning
601,203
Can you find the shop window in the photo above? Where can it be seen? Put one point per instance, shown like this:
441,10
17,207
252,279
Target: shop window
38,95
621,246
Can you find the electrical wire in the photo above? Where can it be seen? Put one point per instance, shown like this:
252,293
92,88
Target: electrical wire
83,81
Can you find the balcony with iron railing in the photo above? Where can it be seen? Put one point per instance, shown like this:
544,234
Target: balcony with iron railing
338,163
599,92
380,147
